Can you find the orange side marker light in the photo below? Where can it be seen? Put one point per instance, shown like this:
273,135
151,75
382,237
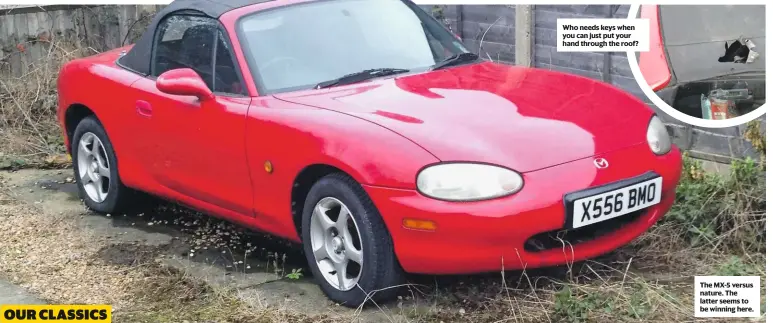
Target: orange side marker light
416,224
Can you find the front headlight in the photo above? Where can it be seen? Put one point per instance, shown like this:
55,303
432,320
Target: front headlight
657,137
467,182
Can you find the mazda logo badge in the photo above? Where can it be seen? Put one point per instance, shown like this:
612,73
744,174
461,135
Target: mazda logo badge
600,163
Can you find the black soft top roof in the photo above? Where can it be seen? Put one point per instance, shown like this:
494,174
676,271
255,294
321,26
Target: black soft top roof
138,58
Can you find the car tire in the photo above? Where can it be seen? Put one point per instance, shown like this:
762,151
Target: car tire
380,273
113,197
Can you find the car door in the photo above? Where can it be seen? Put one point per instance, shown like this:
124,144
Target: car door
196,148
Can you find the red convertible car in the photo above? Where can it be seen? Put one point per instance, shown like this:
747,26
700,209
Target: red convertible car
369,133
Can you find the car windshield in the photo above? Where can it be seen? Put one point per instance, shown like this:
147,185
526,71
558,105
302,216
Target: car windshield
298,46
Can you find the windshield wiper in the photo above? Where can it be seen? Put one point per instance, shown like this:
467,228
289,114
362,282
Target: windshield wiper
361,76
454,60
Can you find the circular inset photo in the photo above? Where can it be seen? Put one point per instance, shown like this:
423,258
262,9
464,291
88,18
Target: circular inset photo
706,63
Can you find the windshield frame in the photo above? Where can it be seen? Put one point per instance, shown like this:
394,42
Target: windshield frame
258,80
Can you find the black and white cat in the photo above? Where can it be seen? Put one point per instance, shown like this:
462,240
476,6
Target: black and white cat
736,52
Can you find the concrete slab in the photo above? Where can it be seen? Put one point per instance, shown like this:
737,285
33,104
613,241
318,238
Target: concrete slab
12,294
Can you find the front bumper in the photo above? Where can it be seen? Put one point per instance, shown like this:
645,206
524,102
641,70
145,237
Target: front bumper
498,234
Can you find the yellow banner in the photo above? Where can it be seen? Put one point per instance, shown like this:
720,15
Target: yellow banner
55,313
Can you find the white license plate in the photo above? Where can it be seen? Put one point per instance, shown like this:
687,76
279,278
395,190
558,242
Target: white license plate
608,205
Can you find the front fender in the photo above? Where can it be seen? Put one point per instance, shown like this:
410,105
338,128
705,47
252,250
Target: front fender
292,137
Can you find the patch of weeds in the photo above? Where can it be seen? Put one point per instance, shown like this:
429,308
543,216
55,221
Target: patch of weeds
574,305
11,162
28,104
639,305
734,266
754,134
53,161
295,274
722,211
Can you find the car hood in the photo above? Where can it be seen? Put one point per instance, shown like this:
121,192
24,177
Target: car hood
522,118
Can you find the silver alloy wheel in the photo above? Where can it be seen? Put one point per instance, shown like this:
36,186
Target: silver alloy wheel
93,167
333,245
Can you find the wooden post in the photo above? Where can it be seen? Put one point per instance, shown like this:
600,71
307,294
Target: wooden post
606,72
524,35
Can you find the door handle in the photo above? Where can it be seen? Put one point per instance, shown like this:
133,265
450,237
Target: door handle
144,108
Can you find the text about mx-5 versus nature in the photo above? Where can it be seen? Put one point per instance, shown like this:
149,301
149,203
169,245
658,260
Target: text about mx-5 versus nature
727,296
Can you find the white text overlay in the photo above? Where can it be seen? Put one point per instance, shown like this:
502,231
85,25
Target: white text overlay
727,296
602,35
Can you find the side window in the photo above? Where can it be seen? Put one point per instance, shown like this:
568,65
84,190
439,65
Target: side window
185,41
226,74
